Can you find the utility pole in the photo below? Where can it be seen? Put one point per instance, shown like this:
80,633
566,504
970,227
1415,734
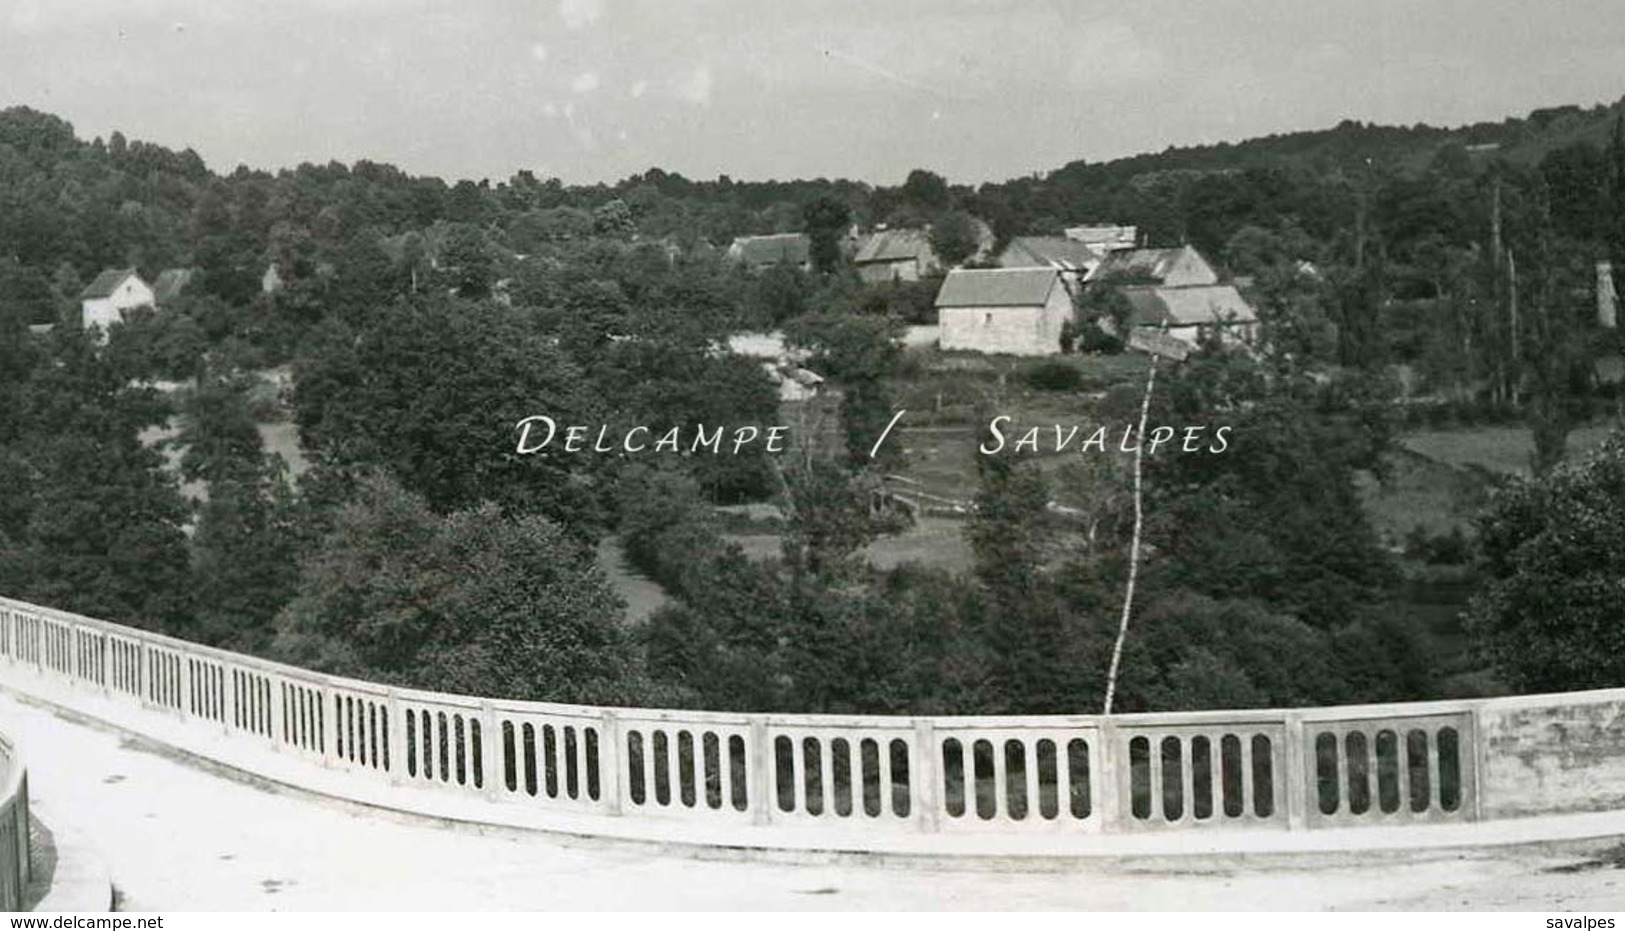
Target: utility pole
1155,344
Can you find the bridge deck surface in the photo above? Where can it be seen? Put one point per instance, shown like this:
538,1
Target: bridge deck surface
179,835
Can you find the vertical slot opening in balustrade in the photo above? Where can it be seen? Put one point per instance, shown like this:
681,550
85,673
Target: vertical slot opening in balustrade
1449,769
1263,776
1049,796
1359,788
1015,774
411,743
711,751
426,720
550,756
901,800
1388,771
1326,772
528,757
363,735
635,780
869,758
443,745
987,798
1173,778
510,758
686,790
662,767
1201,778
341,739
1080,797
812,774
840,758
1139,777
572,763
593,777
1416,761
739,774
461,738
784,773
477,752
285,716
953,777
355,712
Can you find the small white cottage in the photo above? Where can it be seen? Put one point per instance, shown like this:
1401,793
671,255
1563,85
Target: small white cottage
114,292
1010,311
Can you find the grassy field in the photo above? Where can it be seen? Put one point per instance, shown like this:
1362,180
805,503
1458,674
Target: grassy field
643,597
932,541
1500,450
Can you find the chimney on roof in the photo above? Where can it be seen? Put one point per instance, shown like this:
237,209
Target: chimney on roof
1607,300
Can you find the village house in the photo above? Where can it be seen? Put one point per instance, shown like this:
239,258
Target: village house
758,252
171,282
895,255
1011,311
1179,267
1073,259
1105,238
1193,313
111,295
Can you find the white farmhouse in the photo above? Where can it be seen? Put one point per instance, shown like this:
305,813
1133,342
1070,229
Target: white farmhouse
114,292
1011,311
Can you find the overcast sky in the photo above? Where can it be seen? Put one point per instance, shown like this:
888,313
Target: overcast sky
591,90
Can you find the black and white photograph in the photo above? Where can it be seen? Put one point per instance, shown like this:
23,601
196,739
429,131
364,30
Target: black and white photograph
469,458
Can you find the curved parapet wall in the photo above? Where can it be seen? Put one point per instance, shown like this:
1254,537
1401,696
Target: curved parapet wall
863,783
15,864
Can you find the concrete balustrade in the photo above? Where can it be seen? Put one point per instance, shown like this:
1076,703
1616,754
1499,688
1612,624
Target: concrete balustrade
854,780
15,862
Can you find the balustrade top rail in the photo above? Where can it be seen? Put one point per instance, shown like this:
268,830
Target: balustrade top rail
1266,769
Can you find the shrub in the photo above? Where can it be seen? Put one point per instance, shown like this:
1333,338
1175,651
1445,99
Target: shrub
1054,375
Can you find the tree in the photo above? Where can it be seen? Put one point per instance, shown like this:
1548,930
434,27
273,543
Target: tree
954,237
925,189
92,523
432,393
1274,516
246,542
467,258
1552,554
861,353
476,602
1040,641
826,220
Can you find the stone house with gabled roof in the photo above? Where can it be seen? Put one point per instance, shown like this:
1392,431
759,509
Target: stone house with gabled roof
758,252
1194,312
1073,259
1007,311
1179,267
111,295
896,255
